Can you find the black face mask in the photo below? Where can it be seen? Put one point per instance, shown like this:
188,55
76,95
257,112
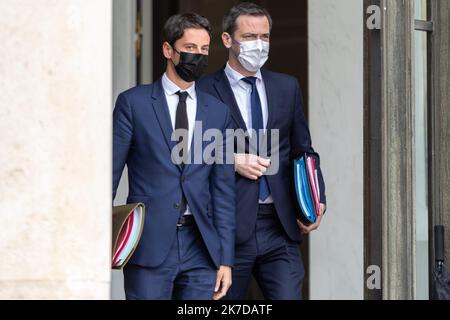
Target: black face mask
191,65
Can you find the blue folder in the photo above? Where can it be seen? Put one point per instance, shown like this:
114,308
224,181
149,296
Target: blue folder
303,191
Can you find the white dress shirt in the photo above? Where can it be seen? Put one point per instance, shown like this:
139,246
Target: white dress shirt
170,91
242,93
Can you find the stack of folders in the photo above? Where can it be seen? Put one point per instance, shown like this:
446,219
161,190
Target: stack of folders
307,188
128,222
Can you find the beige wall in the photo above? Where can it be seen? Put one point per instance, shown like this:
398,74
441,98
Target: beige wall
336,122
55,140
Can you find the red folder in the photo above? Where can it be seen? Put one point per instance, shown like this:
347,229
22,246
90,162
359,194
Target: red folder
123,238
313,183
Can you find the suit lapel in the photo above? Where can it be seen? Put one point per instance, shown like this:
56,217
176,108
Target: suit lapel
223,88
161,109
271,98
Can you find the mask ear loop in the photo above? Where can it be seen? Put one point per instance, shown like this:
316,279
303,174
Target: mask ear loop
173,48
176,50
231,48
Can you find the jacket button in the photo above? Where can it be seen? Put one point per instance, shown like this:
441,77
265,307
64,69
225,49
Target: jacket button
183,179
176,206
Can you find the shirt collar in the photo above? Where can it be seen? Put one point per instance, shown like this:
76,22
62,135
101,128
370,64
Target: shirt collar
171,88
235,77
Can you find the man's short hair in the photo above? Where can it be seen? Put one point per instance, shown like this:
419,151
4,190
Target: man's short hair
176,25
243,9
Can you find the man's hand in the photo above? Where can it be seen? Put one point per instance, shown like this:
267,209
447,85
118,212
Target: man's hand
250,166
307,229
223,282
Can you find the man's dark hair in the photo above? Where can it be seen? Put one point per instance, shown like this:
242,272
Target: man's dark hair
176,24
243,9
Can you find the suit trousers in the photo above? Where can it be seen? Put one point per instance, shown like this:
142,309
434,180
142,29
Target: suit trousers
273,259
188,273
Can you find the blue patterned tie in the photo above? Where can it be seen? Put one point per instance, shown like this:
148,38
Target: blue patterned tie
257,124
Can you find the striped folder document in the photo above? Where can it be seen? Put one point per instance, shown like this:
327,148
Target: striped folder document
127,225
307,188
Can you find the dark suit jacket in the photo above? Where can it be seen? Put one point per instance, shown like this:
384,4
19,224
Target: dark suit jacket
285,109
142,139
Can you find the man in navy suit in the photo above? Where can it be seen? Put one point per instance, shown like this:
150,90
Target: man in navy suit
187,246
267,229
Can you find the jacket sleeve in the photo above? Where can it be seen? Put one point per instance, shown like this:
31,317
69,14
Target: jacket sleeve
223,196
122,137
301,139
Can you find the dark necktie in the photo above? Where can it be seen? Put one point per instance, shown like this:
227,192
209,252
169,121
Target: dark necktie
181,122
257,124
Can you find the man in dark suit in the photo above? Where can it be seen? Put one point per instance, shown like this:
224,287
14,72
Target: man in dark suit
267,229
187,246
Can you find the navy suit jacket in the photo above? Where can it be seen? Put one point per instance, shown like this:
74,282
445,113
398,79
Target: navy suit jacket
285,113
142,139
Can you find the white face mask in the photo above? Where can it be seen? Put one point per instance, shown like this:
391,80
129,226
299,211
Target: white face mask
253,54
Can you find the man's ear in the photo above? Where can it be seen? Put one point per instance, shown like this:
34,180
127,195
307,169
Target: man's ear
226,39
167,50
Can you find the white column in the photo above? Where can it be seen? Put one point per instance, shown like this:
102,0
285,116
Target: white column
336,123
55,159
